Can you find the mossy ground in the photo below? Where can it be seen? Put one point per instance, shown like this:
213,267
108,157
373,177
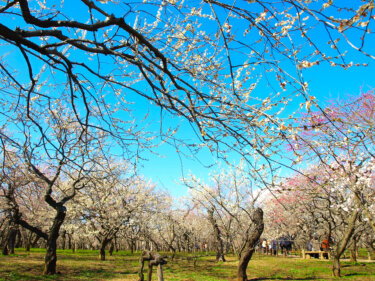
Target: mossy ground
85,265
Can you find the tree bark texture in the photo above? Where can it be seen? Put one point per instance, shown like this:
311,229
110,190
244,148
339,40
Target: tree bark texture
13,231
10,239
254,234
340,248
103,243
354,248
111,248
218,239
51,245
336,267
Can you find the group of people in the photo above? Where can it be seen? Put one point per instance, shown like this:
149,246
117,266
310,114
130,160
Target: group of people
271,247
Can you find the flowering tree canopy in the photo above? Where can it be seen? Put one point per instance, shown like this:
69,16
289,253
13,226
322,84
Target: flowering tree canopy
201,61
78,83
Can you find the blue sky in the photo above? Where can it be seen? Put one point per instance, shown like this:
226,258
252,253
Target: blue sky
325,83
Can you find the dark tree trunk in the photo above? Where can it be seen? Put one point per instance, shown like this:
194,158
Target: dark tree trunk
27,246
132,245
35,242
102,253
179,245
253,236
103,243
10,240
19,239
69,241
27,236
63,238
354,248
4,242
340,248
111,248
219,241
51,245
50,258
173,251
5,251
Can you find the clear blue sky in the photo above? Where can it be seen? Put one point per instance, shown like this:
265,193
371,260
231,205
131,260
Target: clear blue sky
325,83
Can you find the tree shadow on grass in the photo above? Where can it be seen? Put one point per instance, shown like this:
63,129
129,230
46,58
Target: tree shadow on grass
356,274
353,265
278,278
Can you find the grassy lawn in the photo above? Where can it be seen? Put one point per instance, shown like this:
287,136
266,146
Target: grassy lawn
84,265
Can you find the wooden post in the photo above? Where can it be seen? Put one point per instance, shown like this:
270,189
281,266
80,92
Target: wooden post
153,259
321,255
160,273
303,254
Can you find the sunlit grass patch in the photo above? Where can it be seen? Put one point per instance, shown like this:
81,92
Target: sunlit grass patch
122,265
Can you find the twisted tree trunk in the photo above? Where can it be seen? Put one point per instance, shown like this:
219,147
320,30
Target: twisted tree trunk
253,236
340,248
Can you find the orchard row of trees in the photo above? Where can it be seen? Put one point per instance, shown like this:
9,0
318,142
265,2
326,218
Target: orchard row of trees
80,84
109,205
102,203
127,213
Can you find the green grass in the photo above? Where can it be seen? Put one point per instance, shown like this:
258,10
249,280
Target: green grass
84,265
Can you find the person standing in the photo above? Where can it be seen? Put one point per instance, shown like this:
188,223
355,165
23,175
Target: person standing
264,246
274,247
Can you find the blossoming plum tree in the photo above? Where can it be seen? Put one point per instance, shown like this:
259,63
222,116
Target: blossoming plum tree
230,204
114,200
57,159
